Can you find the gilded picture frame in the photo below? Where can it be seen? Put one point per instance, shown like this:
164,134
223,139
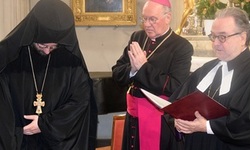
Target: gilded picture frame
104,12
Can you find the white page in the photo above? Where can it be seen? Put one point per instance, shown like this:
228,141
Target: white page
158,101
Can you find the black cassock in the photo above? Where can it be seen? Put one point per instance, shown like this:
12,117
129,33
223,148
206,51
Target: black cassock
231,132
7,125
69,118
165,70
65,118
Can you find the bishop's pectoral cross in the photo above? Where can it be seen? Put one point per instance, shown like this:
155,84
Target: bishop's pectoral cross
39,103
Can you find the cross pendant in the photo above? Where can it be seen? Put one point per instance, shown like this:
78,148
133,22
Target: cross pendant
39,103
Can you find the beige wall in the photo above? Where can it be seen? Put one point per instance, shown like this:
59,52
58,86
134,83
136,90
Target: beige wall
102,46
11,13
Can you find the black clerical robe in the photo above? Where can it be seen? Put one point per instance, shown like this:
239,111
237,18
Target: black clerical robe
231,132
7,124
165,70
68,88
64,122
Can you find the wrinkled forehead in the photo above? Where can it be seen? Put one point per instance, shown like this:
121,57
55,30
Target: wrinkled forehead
53,14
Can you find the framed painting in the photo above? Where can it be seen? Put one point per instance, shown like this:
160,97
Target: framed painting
104,12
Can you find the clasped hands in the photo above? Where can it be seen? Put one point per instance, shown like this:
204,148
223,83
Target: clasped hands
137,57
188,127
33,127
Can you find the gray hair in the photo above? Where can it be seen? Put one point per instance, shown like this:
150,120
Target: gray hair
166,9
240,17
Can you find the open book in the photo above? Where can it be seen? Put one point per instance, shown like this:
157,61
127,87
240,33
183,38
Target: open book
185,107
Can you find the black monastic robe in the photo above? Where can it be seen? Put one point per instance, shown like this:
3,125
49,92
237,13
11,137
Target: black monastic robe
66,95
231,132
165,70
69,118
7,125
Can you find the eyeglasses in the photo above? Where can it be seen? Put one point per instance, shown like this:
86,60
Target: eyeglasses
151,20
221,38
43,46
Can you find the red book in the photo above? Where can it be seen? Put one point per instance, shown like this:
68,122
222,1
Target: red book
185,107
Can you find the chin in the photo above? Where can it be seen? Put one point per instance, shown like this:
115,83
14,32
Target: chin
151,35
41,53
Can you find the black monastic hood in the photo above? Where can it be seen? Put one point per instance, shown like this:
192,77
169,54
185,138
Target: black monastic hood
50,21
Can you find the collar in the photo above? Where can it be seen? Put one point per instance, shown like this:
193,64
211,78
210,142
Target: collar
160,38
239,59
225,82
227,73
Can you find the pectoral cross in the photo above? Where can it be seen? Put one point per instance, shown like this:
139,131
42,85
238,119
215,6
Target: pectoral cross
39,103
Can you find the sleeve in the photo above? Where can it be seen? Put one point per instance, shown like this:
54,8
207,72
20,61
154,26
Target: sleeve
187,87
121,70
235,128
168,71
68,124
7,124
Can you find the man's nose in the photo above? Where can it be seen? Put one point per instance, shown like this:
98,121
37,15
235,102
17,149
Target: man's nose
46,50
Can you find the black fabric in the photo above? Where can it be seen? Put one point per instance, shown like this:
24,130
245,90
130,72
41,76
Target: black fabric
7,125
109,96
215,86
130,133
64,122
168,67
165,70
231,132
54,25
51,21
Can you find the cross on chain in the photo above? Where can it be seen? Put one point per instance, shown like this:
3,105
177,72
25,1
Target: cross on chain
39,103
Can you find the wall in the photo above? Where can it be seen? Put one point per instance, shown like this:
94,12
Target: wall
11,13
102,46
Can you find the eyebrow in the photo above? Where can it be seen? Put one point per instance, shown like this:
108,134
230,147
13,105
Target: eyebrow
219,33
